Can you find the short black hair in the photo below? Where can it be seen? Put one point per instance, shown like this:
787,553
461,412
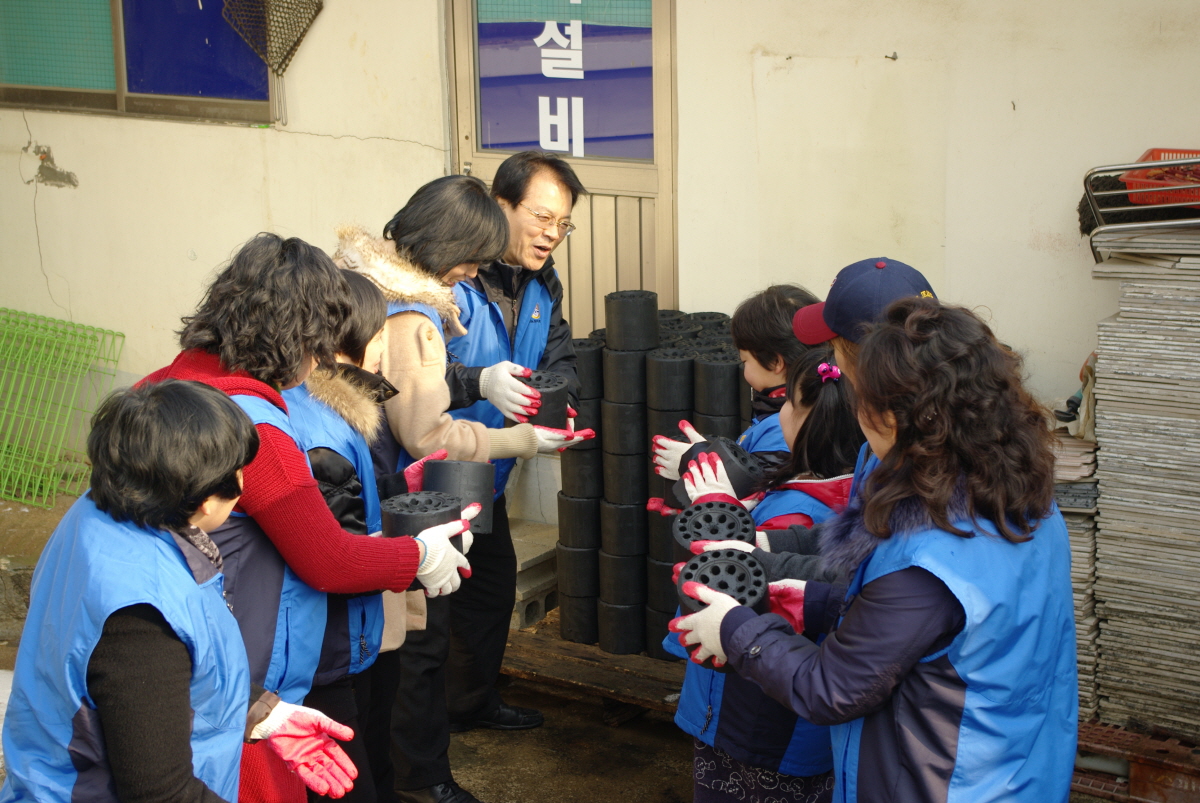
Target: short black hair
762,324
450,221
159,450
513,177
277,303
368,314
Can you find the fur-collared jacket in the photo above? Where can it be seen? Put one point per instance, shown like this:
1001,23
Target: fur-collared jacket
356,395
414,358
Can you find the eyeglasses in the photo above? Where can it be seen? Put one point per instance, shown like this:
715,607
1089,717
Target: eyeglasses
565,227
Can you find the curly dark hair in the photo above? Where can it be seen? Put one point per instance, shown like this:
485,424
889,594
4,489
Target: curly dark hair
278,303
159,450
963,421
762,324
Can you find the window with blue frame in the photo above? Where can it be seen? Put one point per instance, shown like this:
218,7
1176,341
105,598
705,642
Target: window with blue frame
64,52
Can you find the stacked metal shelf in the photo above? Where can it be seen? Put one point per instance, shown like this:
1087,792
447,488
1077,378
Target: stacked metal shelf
1148,429
1075,491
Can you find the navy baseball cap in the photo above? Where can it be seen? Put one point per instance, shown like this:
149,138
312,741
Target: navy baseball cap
860,294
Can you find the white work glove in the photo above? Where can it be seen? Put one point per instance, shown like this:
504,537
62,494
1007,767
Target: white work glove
302,738
706,476
514,399
704,628
443,567
668,452
555,440
710,546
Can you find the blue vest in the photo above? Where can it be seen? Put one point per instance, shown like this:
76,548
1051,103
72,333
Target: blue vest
393,308
318,426
765,435
1016,655
91,567
744,734
282,618
487,343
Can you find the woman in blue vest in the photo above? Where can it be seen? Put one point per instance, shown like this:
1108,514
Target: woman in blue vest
337,414
267,320
747,746
133,683
951,675
448,228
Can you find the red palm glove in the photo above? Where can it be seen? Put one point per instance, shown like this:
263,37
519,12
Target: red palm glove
414,475
301,737
555,440
658,505
787,600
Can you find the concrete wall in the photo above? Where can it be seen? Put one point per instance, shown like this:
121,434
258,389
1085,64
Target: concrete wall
802,149
160,205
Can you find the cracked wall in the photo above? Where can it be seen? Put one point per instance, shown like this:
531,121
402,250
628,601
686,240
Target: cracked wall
120,222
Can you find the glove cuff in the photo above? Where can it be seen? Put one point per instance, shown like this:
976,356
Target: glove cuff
717,497
485,380
279,715
433,554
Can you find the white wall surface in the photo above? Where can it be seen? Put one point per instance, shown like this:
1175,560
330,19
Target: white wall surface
161,205
802,149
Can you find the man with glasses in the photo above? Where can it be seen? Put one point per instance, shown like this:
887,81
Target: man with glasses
513,314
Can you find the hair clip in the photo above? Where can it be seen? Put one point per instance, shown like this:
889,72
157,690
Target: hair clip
828,372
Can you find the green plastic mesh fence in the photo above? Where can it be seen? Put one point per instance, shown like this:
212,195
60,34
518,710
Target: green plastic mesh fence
52,375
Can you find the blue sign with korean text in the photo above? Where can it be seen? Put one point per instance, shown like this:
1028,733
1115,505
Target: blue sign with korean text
571,76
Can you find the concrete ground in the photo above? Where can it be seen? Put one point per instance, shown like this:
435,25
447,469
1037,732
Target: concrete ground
574,756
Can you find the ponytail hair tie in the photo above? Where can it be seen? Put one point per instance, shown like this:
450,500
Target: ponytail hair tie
828,372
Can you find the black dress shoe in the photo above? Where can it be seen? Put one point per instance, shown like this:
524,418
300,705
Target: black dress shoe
439,793
505,718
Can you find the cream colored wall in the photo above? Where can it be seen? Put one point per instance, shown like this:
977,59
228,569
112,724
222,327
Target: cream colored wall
161,205
802,149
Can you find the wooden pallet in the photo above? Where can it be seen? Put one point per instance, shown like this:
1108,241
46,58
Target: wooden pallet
538,654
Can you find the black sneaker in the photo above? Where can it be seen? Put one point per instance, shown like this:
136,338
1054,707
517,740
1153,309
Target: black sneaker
449,792
504,718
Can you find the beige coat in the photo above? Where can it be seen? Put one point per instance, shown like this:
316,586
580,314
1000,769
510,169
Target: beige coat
414,359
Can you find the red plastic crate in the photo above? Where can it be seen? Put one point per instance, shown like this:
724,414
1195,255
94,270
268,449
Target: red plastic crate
1137,180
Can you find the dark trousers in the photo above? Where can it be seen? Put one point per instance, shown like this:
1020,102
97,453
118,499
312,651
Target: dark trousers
375,692
480,613
449,669
420,725
337,701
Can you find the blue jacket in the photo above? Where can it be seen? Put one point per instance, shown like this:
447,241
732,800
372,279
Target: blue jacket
354,626
988,714
765,435
282,618
91,567
487,343
732,713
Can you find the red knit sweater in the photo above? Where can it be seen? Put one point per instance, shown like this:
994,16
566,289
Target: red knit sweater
282,497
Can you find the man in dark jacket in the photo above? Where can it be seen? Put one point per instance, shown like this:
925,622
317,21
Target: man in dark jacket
514,318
